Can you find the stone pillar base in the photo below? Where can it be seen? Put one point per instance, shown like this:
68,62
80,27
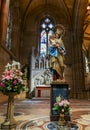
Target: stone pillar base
8,125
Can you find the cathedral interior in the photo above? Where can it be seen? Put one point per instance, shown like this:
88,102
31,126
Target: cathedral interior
25,26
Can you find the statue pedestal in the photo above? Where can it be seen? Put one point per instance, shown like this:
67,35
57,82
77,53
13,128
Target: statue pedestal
9,122
57,89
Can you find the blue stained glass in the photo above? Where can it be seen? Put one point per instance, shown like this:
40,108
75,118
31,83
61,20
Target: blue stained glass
50,26
46,30
43,50
43,37
43,25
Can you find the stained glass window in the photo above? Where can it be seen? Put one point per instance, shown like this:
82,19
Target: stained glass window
86,65
8,34
46,27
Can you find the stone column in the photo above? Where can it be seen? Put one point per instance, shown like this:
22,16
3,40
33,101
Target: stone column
77,33
16,19
0,22
3,20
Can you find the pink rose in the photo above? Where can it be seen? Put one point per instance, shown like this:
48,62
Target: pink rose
15,82
2,84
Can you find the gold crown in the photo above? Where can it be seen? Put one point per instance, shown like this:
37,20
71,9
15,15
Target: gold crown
59,29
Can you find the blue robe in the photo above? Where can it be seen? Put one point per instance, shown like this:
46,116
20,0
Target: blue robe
53,51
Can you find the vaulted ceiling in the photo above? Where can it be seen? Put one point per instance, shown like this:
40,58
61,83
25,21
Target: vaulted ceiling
28,5
40,6
31,6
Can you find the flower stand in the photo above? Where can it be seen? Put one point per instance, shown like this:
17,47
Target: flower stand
62,120
9,122
11,84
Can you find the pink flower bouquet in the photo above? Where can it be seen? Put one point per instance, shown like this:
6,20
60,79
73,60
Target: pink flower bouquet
62,105
12,81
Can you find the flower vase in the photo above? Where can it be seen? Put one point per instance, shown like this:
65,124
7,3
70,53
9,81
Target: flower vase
67,117
9,122
62,119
